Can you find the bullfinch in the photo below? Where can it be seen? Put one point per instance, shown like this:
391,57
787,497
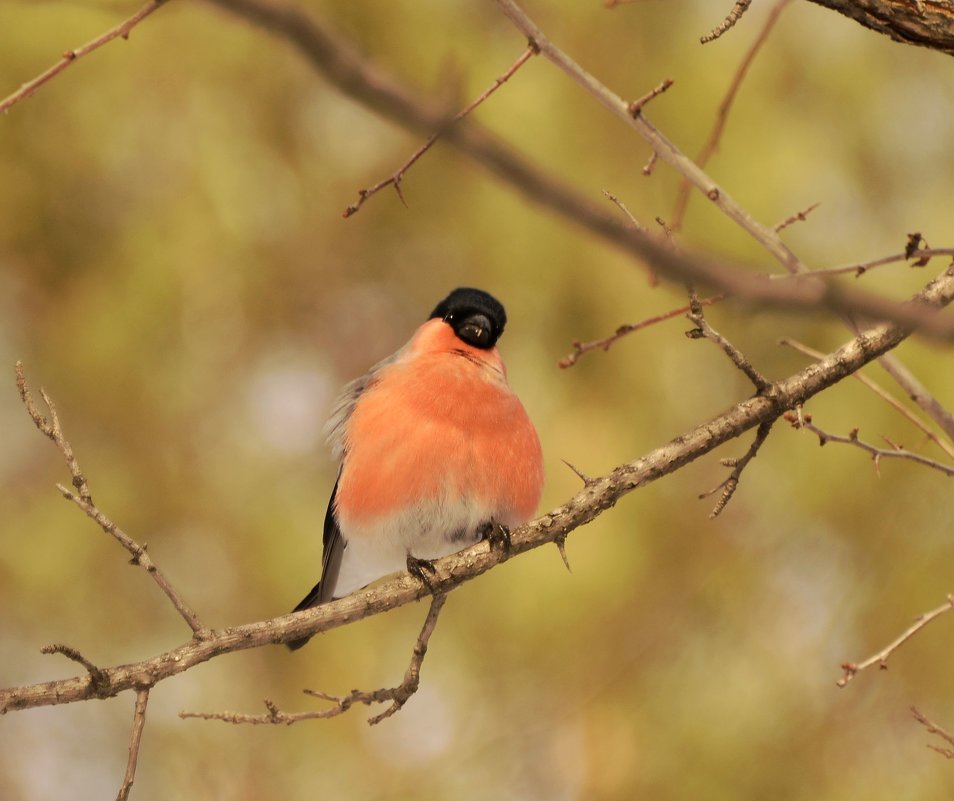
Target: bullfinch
435,452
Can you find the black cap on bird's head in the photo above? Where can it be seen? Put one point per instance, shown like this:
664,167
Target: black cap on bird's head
476,317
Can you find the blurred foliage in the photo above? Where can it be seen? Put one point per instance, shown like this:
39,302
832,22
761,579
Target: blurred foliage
174,269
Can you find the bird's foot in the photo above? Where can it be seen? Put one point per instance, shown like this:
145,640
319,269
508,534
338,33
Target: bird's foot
420,568
497,534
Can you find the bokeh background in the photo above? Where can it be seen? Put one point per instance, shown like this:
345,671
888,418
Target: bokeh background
175,271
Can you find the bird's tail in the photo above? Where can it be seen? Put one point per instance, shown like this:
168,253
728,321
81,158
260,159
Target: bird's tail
312,599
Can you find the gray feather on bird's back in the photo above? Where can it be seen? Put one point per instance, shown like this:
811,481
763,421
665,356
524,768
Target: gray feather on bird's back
337,424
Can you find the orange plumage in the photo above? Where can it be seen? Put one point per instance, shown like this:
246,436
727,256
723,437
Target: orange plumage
434,447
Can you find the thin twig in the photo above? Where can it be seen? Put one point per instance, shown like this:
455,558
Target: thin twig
722,116
798,216
881,658
135,738
83,499
580,349
882,393
51,428
636,107
703,330
70,57
917,392
667,151
895,451
733,17
622,207
860,268
398,696
396,178
933,728
96,675
731,484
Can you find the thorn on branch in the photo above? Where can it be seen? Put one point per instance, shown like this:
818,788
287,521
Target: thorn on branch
733,17
587,480
560,543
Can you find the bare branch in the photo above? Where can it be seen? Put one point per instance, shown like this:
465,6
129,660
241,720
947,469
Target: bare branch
594,498
636,107
340,62
704,330
70,57
731,484
396,178
895,451
798,216
667,151
722,116
135,738
580,349
622,207
881,658
917,392
397,696
740,7
881,393
51,428
933,728
860,268
96,675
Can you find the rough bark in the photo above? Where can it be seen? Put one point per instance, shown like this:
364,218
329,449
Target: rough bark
927,23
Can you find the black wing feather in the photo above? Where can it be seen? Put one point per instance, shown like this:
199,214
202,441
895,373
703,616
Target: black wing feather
333,548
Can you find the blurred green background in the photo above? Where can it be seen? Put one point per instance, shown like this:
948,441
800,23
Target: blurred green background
175,271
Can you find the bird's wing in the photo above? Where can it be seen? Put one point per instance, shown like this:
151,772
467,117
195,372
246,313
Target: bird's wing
330,561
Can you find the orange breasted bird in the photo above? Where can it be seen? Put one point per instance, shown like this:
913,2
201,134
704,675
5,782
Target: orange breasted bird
436,451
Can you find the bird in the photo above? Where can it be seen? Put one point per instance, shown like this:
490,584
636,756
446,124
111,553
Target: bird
435,452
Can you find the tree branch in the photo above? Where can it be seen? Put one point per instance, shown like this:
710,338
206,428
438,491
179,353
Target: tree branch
70,57
395,178
135,738
398,696
881,658
882,393
915,22
341,63
933,728
804,421
597,495
51,428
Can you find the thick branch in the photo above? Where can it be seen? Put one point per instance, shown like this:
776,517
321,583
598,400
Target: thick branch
928,23
596,496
